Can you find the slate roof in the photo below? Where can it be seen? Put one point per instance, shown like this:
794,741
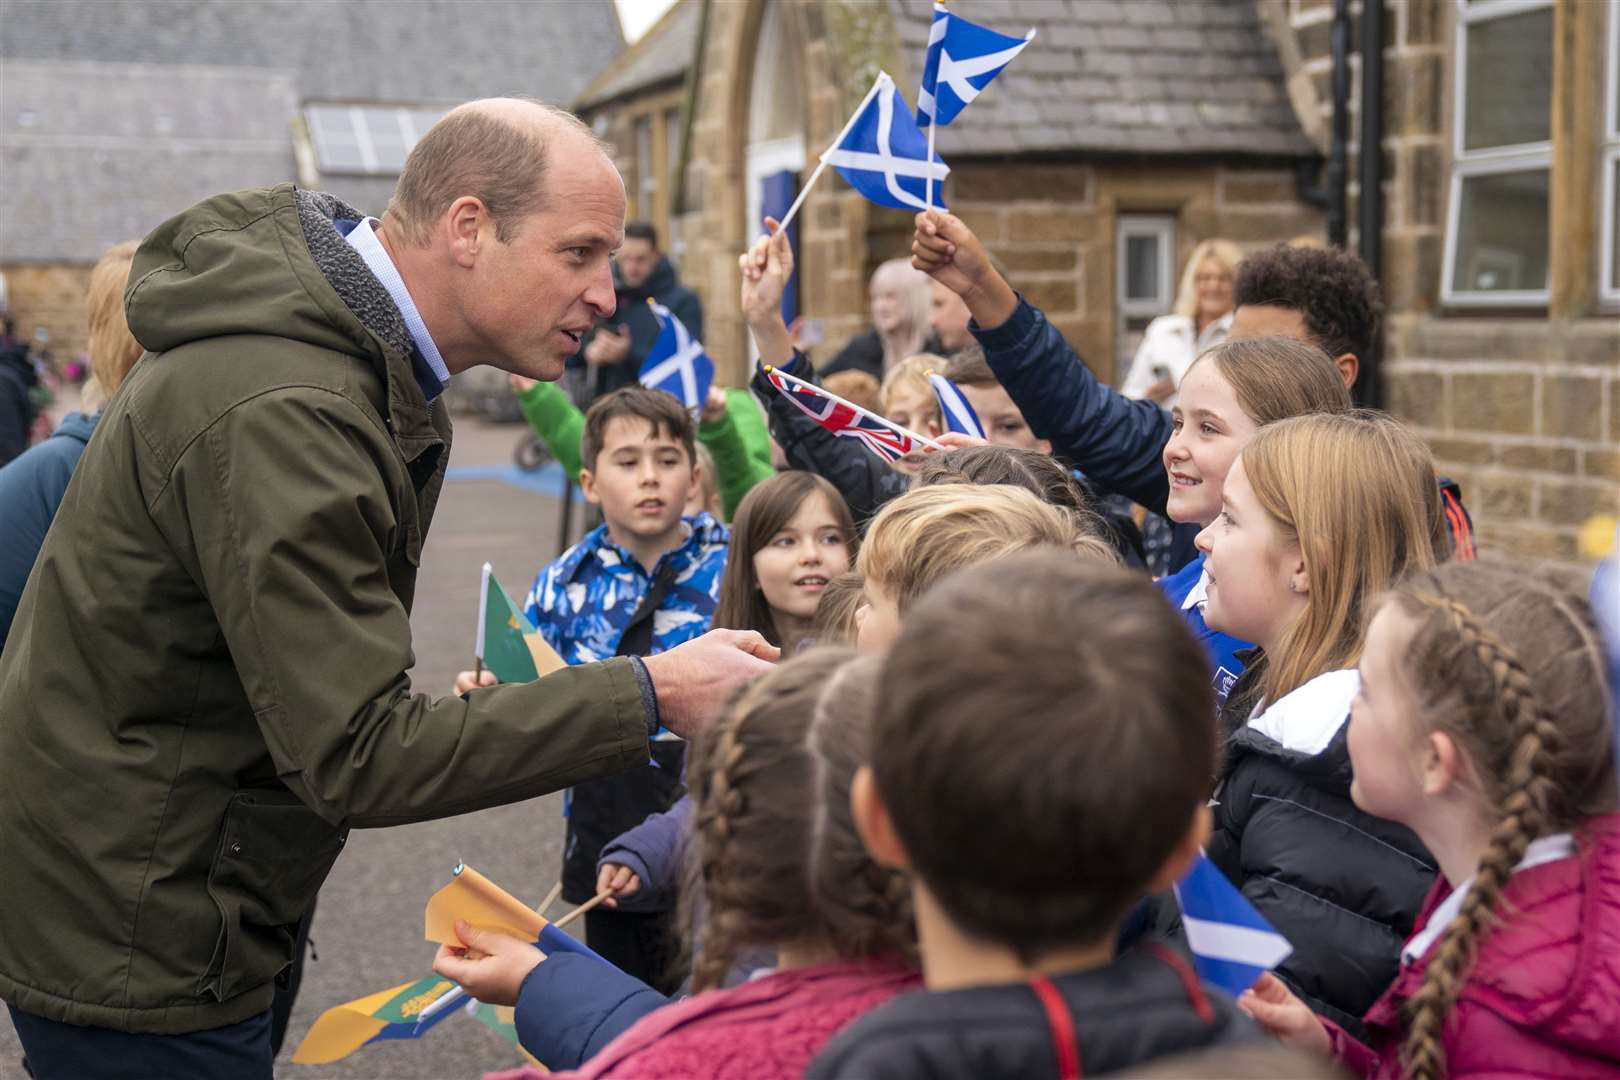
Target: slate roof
1121,76
661,56
114,116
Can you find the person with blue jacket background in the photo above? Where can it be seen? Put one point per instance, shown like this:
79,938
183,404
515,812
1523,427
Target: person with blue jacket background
33,483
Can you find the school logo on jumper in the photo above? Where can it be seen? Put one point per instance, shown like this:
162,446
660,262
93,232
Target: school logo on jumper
1224,681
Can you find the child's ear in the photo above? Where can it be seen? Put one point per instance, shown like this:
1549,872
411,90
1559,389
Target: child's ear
587,486
1181,857
1298,580
1443,765
872,821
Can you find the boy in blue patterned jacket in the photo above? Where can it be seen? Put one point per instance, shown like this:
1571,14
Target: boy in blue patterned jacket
645,581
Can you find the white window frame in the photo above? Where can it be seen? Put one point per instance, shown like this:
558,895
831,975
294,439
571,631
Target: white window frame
1523,157
1161,228
1609,162
406,116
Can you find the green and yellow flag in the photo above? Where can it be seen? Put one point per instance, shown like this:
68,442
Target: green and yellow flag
508,644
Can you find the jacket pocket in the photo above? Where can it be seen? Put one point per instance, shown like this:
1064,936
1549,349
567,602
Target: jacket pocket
273,854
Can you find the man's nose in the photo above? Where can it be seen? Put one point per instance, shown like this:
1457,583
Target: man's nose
599,294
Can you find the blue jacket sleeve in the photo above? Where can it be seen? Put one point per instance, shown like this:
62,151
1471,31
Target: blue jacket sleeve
653,851
865,482
571,1006
1117,442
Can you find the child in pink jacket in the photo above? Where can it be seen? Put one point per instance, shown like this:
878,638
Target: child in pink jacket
1482,724
780,867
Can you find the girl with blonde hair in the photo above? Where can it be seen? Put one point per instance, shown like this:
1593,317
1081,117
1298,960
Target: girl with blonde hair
1320,514
1482,724
1200,319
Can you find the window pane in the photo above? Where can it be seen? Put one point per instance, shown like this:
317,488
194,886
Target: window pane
1142,268
672,143
387,138
1502,233
1613,212
1509,92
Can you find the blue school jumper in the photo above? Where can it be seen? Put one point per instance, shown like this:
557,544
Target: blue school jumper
1185,589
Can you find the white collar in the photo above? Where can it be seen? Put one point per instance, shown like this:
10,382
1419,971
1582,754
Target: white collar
1545,850
364,241
1307,717
1198,595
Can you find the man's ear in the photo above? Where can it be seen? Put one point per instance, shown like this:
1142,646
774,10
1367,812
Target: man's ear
467,224
587,486
1181,857
872,821
1349,367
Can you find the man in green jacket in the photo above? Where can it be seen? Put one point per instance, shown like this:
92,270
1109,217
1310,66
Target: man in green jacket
204,688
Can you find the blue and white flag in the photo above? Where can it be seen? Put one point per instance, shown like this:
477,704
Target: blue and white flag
883,154
1232,944
956,409
676,363
962,59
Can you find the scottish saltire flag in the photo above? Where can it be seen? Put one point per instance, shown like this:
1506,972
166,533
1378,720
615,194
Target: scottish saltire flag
1232,944
956,409
838,416
884,155
962,59
677,364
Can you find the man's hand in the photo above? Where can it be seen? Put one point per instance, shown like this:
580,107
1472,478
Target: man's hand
488,965
619,880
610,345
472,680
694,681
714,410
944,248
1286,1018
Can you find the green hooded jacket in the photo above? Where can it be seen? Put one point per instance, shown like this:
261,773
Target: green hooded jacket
205,686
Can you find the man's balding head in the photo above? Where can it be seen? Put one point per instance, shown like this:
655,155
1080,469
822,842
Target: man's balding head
496,150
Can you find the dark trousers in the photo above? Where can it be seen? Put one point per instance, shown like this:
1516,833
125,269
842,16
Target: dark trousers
642,945
58,1051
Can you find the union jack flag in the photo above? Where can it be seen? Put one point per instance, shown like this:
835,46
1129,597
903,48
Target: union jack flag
886,440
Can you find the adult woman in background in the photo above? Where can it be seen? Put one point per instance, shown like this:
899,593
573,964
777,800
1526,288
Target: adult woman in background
902,303
1200,319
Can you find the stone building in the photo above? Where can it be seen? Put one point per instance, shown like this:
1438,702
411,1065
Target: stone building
1133,129
115,116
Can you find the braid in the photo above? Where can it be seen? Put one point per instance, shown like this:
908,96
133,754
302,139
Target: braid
722,804
1527,792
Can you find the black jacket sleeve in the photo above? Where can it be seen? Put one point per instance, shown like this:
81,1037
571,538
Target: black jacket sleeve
865,482
1117,442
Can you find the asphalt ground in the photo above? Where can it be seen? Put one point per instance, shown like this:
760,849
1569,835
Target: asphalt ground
367,931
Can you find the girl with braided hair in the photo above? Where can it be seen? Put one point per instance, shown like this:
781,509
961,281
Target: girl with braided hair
774,865
1483,724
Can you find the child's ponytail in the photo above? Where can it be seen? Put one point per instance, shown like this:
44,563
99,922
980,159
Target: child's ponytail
1512,673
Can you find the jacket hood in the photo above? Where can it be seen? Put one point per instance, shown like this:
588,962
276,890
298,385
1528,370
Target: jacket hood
1553,965
76,425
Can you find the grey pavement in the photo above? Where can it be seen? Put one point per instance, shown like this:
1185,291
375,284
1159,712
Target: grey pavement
367,930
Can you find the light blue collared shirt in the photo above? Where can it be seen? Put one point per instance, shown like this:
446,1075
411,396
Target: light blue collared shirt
364,240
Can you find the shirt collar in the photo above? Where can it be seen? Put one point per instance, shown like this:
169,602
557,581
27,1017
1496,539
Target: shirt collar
1545,850
1198,595
364,240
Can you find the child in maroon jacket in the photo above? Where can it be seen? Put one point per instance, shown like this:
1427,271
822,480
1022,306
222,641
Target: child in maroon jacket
1482,724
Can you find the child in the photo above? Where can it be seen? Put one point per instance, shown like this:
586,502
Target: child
792,536
645,581
930,531
834,623
1034,787
1319,515
908,399
778,865
1482,724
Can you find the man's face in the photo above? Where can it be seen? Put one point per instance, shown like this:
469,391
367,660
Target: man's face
641,479
949,319
637,259
1274,320
528,301
1003,424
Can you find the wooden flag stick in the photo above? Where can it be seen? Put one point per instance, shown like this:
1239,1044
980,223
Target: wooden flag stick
583,908
551,898
890,424
803,193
